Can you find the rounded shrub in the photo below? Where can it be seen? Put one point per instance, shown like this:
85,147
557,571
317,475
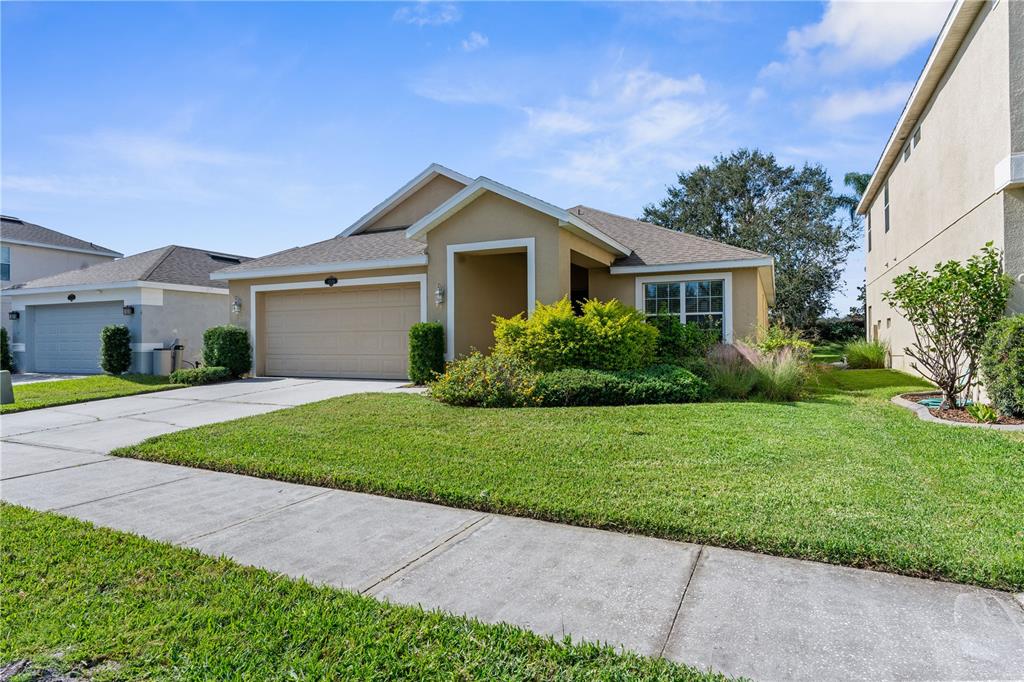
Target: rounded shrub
496,380
228,346
652,385
1002,365
426,351
6,361
115,349
198,376
678,342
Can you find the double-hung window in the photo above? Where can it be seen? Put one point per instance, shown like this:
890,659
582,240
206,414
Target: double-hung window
5,263
885,204
701,302
867,228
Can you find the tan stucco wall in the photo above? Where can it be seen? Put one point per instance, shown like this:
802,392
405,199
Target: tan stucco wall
943,199
488,285
420,203
241,289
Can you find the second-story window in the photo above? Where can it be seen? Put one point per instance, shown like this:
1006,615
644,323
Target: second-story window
867,228
885,204
5,263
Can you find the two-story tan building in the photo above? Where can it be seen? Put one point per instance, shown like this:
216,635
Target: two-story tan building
951,176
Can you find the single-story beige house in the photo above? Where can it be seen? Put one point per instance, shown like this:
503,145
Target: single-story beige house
457,250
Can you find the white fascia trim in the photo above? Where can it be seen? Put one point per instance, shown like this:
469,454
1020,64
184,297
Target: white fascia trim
529,243
690,267
115,286
123,295
420,279
317,268
72,249
1009,173
726,278
481,185
409,188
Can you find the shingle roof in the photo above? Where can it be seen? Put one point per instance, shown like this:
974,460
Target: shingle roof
655,245
389,245
15,229
168,265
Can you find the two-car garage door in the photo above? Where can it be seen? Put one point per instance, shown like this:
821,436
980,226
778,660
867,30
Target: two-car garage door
358,332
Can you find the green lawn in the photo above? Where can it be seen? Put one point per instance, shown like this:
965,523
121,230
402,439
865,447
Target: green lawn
828,351
844,477
68,391
112,606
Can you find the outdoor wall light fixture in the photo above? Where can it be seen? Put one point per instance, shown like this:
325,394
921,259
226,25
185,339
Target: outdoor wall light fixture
236,305
128,310
13,315
331,281
439,295
71,297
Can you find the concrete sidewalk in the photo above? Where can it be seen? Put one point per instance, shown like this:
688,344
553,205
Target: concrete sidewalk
736,612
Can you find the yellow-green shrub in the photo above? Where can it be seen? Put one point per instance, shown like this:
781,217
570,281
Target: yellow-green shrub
606,335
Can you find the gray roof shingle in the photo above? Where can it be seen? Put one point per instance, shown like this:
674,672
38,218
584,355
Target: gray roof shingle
16,229
168,265
388,245
656,245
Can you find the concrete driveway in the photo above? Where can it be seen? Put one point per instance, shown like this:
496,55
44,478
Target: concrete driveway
737,612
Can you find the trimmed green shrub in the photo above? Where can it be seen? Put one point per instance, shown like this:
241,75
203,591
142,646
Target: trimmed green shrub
496,380
6,361
115,349
426,351
199,375
657,384
678,341
228,346
1002,365
782,376
607,336
866,354
839,329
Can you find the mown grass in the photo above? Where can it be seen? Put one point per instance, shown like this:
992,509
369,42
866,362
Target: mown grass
68,391
843,476
828,351
112,606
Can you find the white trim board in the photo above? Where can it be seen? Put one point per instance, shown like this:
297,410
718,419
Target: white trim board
321,268
420,279
137,296
531,279
726,277
407,190
689,267
566,220
115,286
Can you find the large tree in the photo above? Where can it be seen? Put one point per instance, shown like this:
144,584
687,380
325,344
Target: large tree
749,200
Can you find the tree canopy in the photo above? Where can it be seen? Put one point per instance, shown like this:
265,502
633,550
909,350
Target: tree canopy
749,200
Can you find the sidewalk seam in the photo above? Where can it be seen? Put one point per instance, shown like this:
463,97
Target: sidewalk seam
69,466
192,538
80,451
126,492
465,530
679,606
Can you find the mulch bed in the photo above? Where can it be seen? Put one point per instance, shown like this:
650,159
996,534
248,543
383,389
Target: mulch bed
957,414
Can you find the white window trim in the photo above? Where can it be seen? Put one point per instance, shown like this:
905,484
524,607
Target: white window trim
726,277
420,279
531,279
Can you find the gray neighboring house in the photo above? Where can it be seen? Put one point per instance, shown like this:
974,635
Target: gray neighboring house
29,251
162,295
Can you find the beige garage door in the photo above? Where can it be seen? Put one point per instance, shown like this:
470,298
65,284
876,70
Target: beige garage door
358,332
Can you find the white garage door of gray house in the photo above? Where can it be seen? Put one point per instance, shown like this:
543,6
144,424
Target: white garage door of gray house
66,337
355,332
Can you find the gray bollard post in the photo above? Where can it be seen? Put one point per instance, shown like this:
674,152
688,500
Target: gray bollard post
6,390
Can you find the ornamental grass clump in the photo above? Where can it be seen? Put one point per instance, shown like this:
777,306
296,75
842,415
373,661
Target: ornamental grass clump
866,354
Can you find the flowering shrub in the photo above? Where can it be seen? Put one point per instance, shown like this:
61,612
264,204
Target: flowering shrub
496,380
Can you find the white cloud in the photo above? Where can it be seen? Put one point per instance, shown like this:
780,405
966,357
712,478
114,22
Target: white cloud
649,86
475,41
152,151
424,13
848,105
554,121
856,35
757,94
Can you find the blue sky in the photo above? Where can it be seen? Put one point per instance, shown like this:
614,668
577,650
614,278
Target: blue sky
250,128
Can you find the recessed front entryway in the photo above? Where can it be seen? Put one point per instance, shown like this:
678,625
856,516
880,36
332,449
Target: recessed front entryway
358,332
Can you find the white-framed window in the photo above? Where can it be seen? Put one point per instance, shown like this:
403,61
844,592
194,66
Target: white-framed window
885,204
700,298
5,263
867,228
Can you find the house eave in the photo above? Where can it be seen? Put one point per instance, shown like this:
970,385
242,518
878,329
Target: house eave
55,247
690,267
320,268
